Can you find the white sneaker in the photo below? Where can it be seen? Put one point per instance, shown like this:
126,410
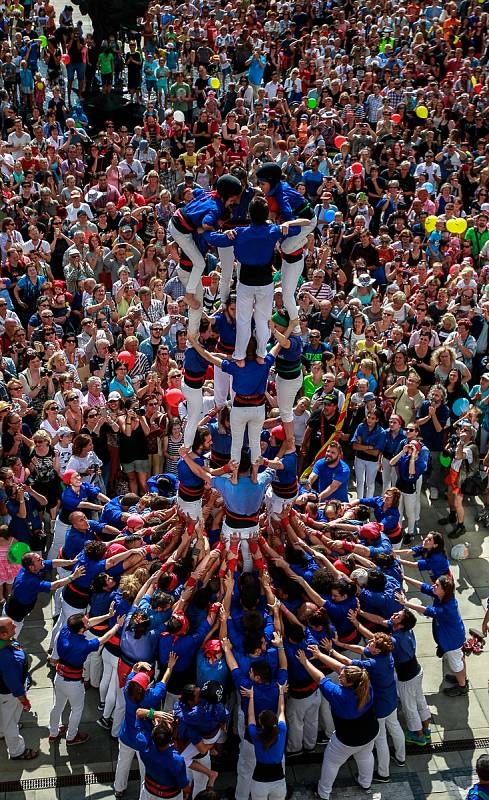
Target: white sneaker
434,493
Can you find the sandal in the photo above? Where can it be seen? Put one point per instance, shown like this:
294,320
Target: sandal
477,649
27,755
468,646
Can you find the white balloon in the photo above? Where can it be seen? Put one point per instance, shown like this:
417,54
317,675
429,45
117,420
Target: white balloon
460,552
178,116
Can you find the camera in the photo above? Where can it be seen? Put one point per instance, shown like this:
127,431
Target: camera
45,372
140,412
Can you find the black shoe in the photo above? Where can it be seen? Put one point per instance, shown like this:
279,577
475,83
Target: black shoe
458,530
106,724
323,738
380,778
407,538
451,679
452,517
398,760
100,706
457,691
296,754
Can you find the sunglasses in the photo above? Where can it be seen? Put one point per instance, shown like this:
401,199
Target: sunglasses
93,415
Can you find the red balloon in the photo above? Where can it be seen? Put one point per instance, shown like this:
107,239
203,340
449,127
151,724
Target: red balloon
339,141
127,358
356,168
396,118
478,88
65,58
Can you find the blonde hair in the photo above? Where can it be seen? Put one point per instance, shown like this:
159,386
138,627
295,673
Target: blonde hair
358,679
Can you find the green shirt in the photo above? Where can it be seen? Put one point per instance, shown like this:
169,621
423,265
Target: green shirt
177,92
477,240
106,63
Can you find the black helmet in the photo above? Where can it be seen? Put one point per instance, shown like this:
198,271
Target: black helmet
228,186
269,172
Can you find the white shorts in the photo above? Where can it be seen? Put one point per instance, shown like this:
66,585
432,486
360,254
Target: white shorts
454,659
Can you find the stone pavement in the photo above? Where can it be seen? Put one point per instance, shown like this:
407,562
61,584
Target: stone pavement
437,775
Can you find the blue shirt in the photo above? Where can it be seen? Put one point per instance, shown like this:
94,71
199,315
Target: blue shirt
388,517
27,585
74,648
164,768
70,500
431,438
200,721
76,540
382,603
184,646
204,210
265,695
273,754
245,497
152,484
447,624
343,700
327,474
435,564
382,676
253,245
13,669
251,379
112,513
153,698
375,438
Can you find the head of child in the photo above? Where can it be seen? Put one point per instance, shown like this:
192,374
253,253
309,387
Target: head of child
4,532
482,768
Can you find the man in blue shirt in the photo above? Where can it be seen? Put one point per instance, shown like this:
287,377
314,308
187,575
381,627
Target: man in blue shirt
13,699
73,650
29,583
331,474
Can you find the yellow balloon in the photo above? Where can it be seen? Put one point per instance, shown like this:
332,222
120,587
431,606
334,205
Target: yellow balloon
473,80
430,223
215,83
461,225
452,226
422,112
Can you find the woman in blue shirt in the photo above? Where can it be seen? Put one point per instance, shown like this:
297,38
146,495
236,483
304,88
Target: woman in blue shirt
386,511
368,443
448,628
356,726
268,738
431,554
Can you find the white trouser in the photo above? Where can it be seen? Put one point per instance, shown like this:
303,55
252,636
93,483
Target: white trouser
62,573
245,767
407,506
193,508
92,668
413,702
254,417
326,722
72,692
226,257
108,684
145,795
195,412
222,387
275,504
292,272
337,754
365,473
18,627
199,779
244,535
302,722
59,533
419,486
187,243
274,790
286,394
253,302
194,315
119,710
65,612
10,714
389,475
123,768
389,724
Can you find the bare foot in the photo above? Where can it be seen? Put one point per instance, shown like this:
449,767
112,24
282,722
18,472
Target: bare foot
254,473
294,323
240,362
234,477
212,778
259,360
191,301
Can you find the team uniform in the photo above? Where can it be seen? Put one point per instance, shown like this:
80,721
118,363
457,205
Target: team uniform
194,374
226,328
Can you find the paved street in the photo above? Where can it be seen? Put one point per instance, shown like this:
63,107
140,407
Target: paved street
437,775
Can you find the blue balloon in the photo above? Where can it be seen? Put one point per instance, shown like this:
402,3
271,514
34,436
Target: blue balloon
329,215
460,406
428,187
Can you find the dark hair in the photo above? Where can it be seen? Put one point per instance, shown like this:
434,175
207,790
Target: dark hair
268,722
75,623
446,583
408,620
481,767
162,735
200,434
262,670
95,551
376,580
438,542
258,210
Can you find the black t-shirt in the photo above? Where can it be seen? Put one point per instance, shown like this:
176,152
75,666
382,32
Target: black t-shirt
321,429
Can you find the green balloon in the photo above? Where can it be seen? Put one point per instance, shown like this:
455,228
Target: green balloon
445,460
43,41
312,102
17,551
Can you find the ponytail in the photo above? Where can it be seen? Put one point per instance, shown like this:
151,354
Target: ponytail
269,729
358,679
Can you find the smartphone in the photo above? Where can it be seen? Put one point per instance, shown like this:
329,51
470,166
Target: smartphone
108,296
